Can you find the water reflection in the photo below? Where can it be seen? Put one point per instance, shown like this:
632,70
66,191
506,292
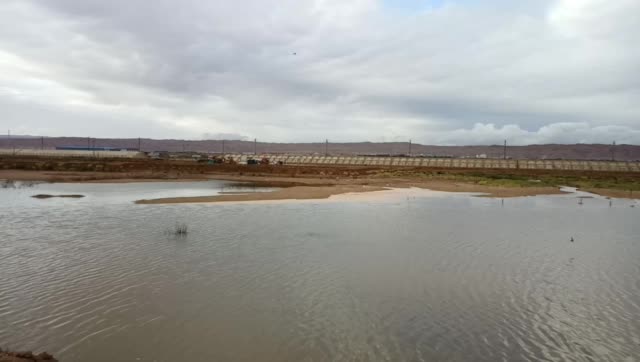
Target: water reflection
444,278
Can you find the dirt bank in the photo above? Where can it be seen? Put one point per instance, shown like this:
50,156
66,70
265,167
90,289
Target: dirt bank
92,176
6,356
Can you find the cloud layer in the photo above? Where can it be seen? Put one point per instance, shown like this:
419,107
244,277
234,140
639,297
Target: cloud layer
452,72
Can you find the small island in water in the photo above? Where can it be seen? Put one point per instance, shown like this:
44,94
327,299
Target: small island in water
46,196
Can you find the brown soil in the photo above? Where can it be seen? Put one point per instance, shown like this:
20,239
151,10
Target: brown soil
69,170
6,356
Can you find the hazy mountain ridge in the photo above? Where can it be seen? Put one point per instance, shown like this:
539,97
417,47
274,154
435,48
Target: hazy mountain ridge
549,151
19,136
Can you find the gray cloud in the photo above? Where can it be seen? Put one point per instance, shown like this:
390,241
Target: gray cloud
461,73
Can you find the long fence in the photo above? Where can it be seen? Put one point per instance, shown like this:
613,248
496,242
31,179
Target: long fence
480,163
445,162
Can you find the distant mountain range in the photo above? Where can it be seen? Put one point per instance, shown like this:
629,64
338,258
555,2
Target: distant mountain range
5,136
550,151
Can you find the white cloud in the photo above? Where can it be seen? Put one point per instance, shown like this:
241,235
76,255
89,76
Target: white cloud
483,134
531,71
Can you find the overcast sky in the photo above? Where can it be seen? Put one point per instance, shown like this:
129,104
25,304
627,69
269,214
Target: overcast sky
434,71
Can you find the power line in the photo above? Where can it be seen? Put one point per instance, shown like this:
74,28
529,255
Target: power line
505,150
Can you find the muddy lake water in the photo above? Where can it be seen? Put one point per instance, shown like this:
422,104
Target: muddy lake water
448,277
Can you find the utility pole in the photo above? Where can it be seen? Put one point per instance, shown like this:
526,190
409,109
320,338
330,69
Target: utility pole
409,148
255,146
505,150
326,147
613,151
10,143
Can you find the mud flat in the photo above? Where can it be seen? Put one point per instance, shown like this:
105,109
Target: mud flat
364,192
290,193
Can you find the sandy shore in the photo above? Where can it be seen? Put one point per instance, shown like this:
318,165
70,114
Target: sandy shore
346,193
289,193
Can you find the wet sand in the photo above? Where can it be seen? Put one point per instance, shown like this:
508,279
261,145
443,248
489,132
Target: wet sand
290,193
621,194
346,193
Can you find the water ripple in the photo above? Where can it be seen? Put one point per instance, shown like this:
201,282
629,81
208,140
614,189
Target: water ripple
440,279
